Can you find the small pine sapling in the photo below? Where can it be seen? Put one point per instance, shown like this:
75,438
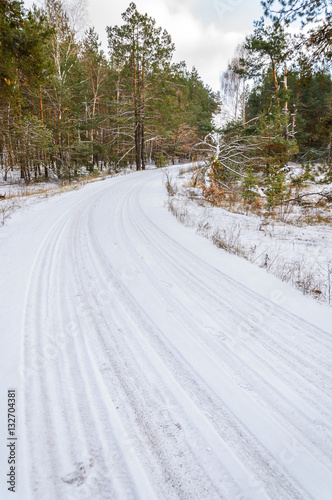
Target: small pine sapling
249,187
275,187
160,160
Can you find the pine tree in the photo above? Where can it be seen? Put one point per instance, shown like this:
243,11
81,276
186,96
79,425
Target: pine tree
314,13
140,52
267,48
23,66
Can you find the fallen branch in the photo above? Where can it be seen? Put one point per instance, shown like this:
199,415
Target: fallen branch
324,194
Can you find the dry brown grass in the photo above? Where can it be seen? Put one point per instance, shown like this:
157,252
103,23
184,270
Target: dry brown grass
316,219
10,203
169,183
7,208
230,240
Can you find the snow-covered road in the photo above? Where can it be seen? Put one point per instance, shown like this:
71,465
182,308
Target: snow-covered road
150,364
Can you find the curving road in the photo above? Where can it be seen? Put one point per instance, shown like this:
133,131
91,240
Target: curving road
157,367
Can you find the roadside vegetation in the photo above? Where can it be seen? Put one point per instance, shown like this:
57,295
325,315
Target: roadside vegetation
71,113
68,109
263,189
292,242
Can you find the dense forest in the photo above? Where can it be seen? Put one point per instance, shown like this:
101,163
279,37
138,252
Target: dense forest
277,89
67,107
65,104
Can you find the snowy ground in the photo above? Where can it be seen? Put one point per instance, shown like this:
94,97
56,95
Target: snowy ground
150,364
14,187
16,195
296,252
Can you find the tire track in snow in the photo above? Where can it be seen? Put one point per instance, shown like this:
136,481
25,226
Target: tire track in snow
145,227
228,304
263,355
248,378
138,400
136,390
74,377
250,449
81,425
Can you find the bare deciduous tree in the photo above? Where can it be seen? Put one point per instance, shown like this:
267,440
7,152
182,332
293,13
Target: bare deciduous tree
233,88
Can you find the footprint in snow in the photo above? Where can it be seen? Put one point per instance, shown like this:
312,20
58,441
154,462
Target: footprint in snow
79,475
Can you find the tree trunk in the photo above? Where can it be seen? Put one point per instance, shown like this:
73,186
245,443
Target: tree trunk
138,146
275,80
142,146
45,167
286,103
244,101
42,120
285,88
137,116
329,147
143,117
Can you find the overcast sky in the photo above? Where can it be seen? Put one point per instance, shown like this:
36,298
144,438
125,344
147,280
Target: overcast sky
205,32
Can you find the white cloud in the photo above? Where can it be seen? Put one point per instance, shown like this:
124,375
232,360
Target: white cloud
205,33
